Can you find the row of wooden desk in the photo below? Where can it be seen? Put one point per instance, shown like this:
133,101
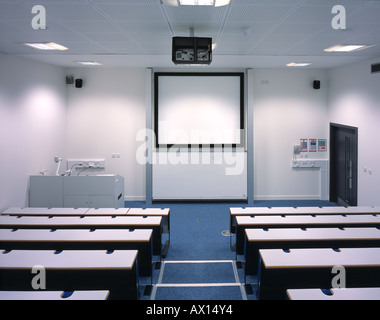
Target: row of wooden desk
81,249
298,250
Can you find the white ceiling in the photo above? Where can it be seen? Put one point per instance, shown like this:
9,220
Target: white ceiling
139,32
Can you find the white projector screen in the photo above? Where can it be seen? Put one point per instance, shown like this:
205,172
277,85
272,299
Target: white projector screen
199,109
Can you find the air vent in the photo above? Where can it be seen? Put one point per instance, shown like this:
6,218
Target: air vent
375,68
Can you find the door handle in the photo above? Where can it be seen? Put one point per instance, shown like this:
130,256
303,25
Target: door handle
350,178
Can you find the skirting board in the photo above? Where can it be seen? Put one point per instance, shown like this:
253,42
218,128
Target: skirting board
199,198
256,197
134,198
287,197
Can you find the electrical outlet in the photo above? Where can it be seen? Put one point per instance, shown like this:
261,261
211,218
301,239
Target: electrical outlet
94,164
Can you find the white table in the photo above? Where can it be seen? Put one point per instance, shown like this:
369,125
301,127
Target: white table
267,211
72,270
107,211
334,294
62,239
119,222
257,239
312,268
164,213
300,221
54,295
30,211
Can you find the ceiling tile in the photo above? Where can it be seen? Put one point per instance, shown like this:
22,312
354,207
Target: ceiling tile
72,11
258,13
145,27
134,11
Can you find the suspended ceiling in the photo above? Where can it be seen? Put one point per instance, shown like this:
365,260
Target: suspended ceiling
138,33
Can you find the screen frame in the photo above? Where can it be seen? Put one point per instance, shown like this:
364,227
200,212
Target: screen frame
241,76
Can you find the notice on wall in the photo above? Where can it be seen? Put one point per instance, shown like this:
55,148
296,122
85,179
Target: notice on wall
322,144
312,145
303,144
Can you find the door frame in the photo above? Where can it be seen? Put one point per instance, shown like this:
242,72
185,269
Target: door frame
334,127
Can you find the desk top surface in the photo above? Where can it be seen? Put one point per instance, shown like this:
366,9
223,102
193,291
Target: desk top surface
85,211
107,211
68,259
45,211
80,221
335,294
283,220
63,235
149,211
308,258
316,234
53,295
303,210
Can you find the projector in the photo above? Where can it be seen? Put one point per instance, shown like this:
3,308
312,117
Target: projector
192,50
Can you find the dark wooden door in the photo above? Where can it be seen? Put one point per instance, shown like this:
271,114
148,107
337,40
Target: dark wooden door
343,164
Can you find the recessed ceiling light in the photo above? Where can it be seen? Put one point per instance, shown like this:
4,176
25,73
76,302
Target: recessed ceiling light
221,3
196,2
215,3
348,47
89,63
46,46
298,64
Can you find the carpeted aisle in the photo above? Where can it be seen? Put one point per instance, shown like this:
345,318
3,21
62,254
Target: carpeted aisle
200,264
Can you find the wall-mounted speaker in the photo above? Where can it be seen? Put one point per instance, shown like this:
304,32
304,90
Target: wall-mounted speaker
78,83
375,68
316,84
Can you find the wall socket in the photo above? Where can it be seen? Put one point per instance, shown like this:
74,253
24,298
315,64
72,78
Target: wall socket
87,163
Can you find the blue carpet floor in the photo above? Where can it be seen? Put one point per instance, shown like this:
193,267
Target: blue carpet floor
196,236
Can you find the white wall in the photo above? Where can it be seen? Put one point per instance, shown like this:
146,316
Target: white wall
286,109
354,100
104,117
106,114
32,124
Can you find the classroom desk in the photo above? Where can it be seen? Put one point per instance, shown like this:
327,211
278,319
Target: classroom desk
28,239
305,238
107,212
29,211
148,212
164,213
11,222
72,270
312,268
268,211
54,295
268,222
98,212
334,294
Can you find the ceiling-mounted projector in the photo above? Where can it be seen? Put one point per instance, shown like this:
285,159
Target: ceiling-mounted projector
192,50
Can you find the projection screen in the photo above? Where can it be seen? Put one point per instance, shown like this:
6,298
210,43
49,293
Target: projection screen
199,109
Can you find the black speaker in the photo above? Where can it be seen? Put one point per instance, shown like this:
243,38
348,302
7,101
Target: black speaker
78,83
375,68
316,84
69,79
